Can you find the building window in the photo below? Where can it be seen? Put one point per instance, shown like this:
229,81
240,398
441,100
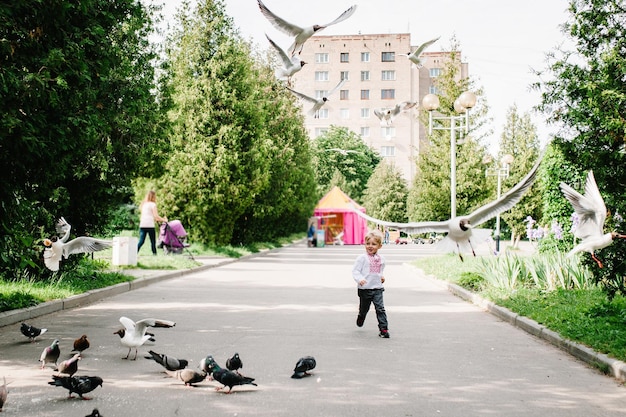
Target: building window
388,57
365,57
365,75
321,75
344,75
321,58
365,113
344,113
388,75
365,131
388,94
435,72
322,114
365,94
344,57
387,151
433,90
319,131
343,95
388,132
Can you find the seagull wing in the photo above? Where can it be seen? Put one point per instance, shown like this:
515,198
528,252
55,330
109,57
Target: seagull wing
590,208
63,227
281,53
508,200
343,16
278,22
51,259
337,87
127,323
303,96
84,244
142,325
416,227
380,113
422,47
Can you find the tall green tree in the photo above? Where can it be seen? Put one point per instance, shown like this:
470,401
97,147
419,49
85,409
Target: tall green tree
340,149
586,97
77,115
386,193
519,139
429,197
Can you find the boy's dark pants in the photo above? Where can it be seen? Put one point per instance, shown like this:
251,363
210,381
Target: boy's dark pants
367,297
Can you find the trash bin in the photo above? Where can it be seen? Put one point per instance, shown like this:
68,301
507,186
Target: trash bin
124,250
321,238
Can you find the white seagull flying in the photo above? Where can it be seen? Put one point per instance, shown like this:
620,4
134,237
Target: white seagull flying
318,103
290,65
56,249
415,56
301,34
386,115
591,212
459,229
134,334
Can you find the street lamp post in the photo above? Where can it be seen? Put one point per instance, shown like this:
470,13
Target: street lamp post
501,172
462,105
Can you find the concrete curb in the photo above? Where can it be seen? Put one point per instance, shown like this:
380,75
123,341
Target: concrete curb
605,364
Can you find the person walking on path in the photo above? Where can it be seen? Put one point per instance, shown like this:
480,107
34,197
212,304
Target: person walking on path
149,215
368,274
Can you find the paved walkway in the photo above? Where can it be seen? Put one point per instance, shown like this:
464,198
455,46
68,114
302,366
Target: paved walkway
446,357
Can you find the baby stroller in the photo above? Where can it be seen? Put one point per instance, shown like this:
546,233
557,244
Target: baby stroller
173,237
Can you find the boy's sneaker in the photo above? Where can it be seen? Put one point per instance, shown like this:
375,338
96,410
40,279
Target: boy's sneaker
359,321
384,334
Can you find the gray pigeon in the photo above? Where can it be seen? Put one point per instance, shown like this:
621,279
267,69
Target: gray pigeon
229,378
50,354
31,331
303,366
188,376
95,413
3,393
168,362
69,366
77,384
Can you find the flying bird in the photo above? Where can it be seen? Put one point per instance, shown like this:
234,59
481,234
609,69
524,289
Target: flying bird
3,393
168,362
234,363
134,334
81,344
303,366
188,376
386,115
318,103
459,229
31,331
69,366
301,34
77,384
290,65
228,378
50,354
591,212
414,57
57,249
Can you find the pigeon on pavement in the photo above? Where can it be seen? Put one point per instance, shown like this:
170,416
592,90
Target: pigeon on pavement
168,362
77,384
3,393
229,378
234,363
301,34
303,366
134,334
81,344
95,413
69,366
57,249
50,354
188,376
591,212
31,331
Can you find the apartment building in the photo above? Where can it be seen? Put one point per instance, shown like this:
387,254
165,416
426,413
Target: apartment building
377,76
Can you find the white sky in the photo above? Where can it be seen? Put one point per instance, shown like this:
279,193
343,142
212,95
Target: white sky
501,40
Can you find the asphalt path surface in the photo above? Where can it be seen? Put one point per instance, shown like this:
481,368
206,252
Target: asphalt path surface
445,357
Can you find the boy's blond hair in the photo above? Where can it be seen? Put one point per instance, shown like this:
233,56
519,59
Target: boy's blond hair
374,235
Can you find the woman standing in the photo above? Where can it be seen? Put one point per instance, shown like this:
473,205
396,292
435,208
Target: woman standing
149,215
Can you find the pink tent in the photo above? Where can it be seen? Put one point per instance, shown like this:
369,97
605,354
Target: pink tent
335,212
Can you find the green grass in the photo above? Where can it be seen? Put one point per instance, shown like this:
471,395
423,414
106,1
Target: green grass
585,316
